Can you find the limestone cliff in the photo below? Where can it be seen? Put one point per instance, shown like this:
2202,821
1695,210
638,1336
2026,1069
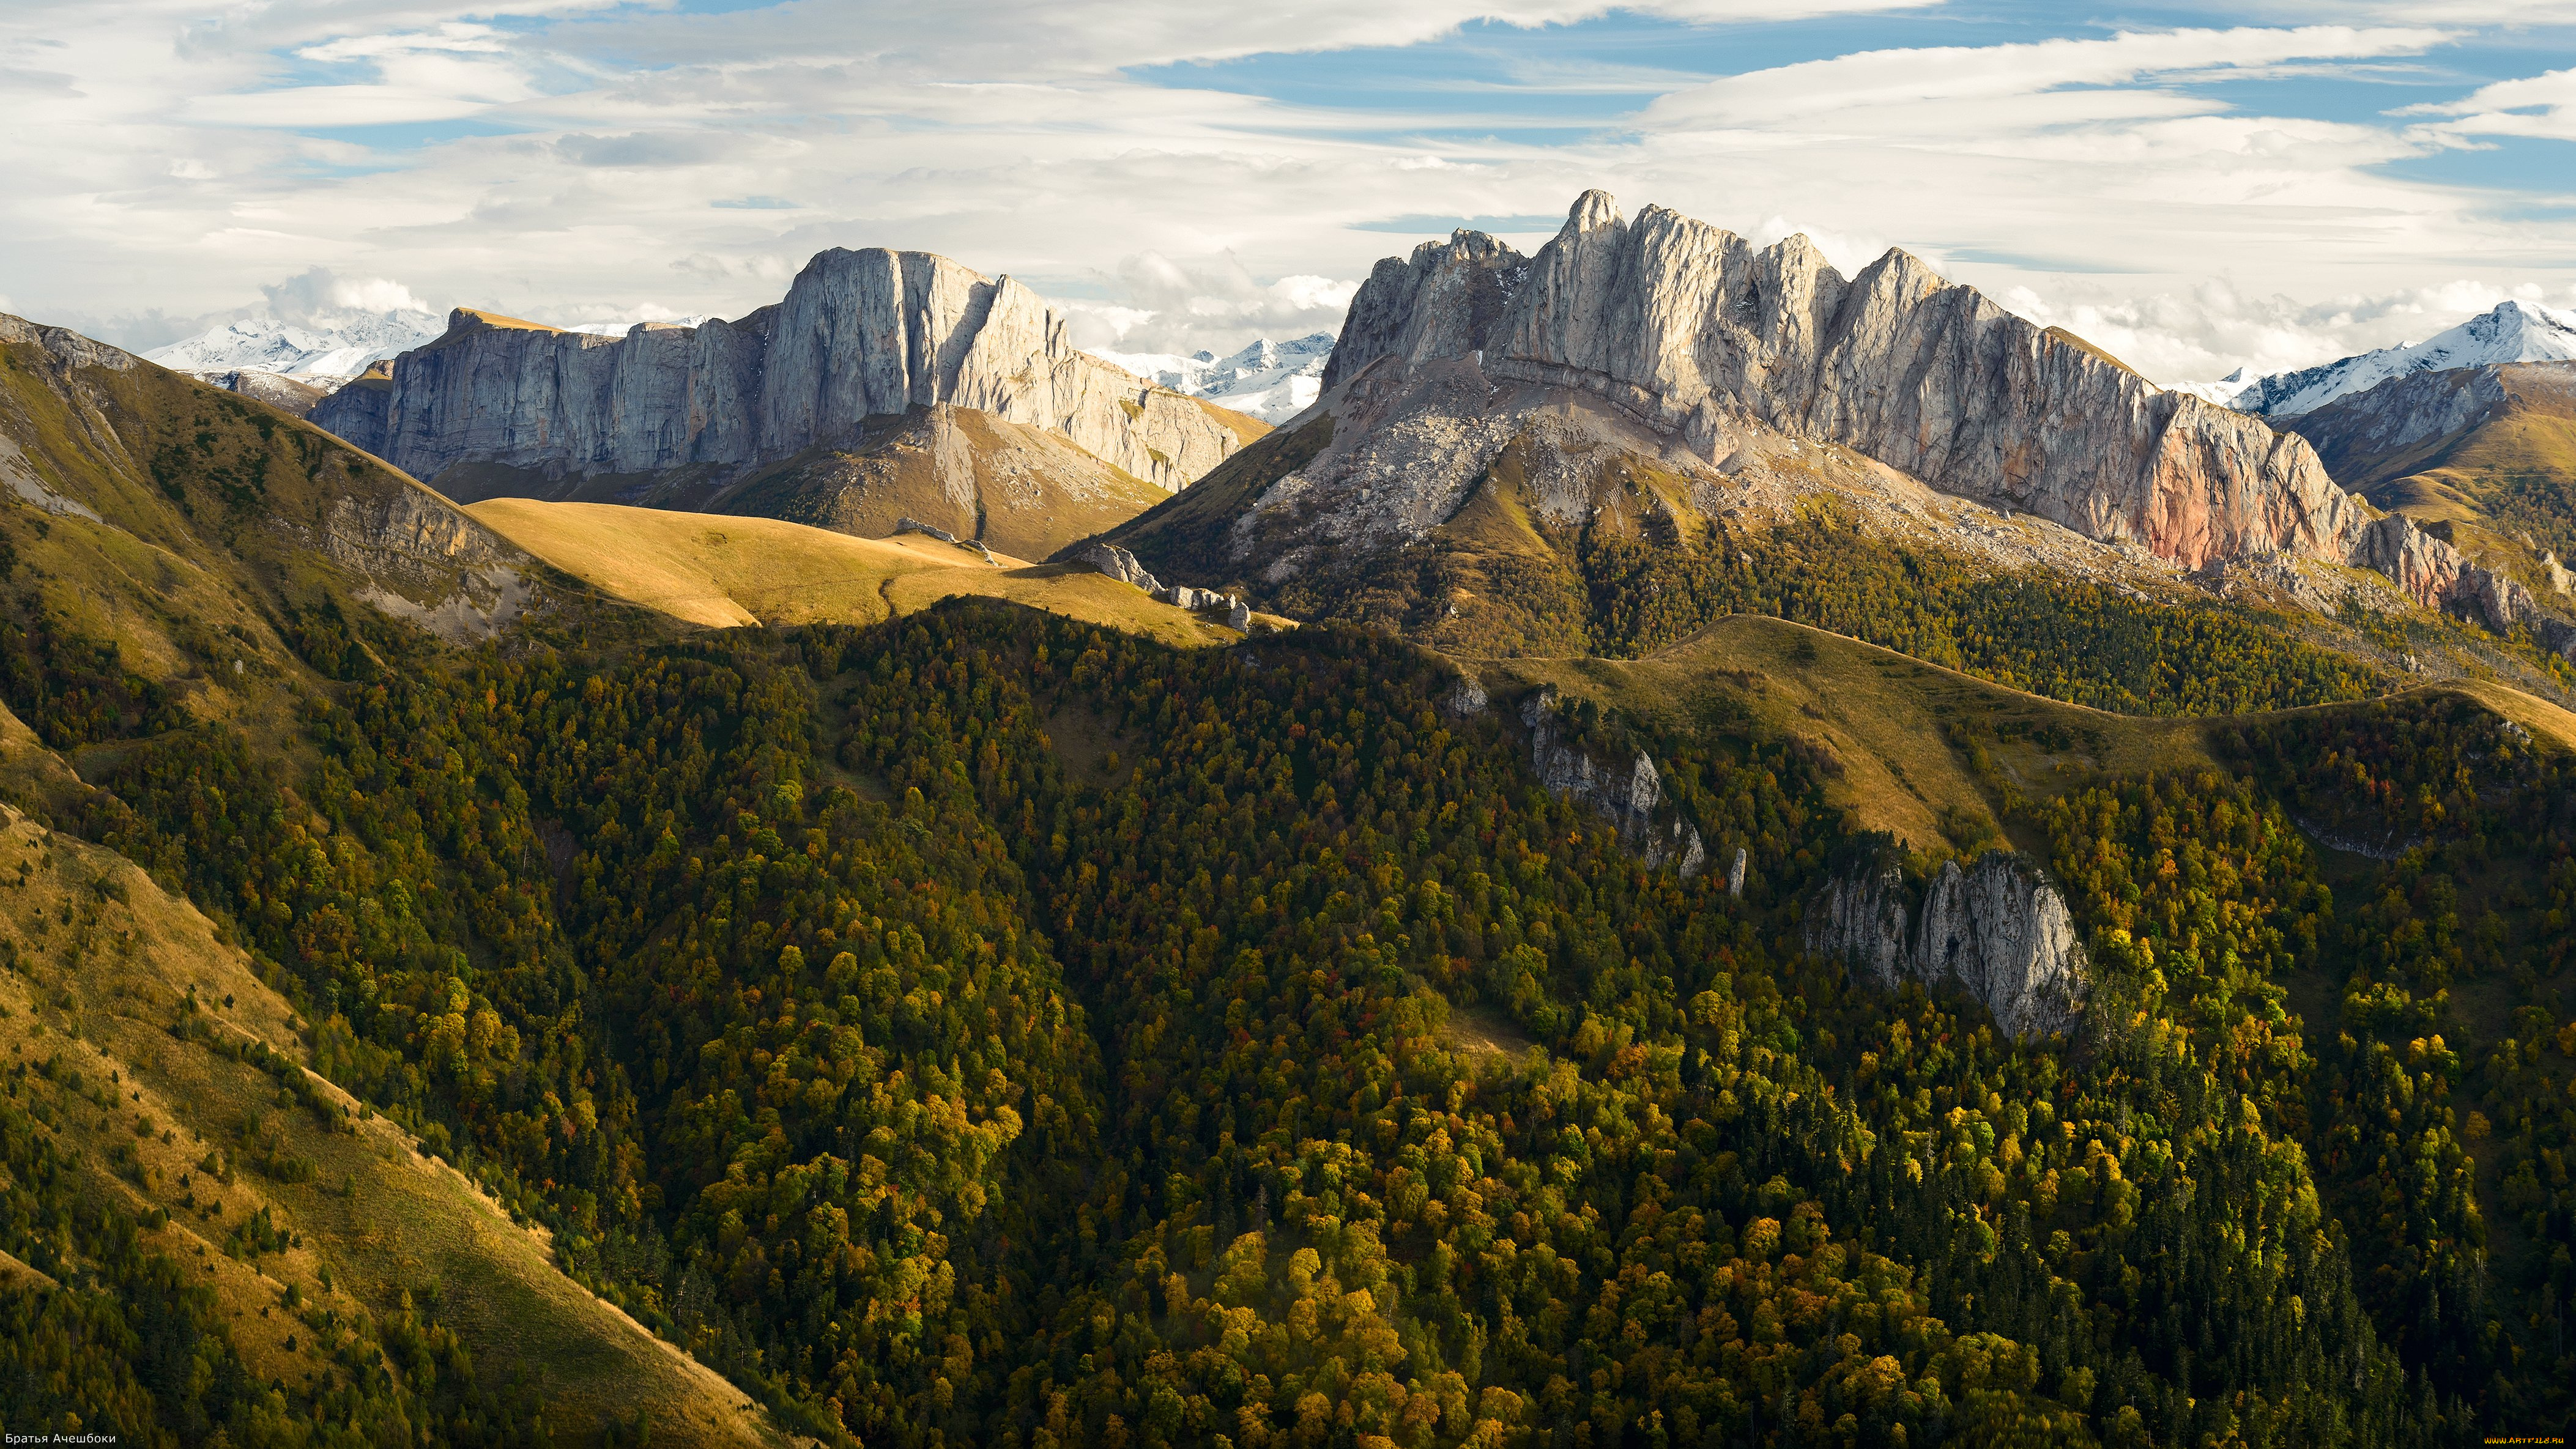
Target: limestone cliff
1997,930
497,405
1629,794
1661,374
1697,331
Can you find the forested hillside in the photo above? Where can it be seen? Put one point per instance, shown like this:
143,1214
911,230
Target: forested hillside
985,1028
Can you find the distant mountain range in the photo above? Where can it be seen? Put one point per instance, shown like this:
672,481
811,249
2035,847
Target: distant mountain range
332,353
1272,381
2512,332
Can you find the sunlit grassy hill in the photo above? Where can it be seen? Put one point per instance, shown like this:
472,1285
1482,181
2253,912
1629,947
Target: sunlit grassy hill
724,571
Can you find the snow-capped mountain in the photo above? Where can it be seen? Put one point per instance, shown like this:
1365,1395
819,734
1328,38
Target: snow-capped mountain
1272,381
620,329
2513,332
341,349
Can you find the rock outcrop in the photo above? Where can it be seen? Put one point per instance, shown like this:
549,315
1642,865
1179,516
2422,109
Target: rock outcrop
1716,366
1997,930
68,348
1697,331
1118,563
1630,796
860,335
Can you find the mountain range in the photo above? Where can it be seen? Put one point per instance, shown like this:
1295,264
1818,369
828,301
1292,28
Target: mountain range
1767,858
1272,381
325,353
885,386
1491,422
2510,332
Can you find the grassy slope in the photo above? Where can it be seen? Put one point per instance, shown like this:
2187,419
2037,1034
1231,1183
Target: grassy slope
1032,491
722,571
185,580
2510,473
206,506
105,961
1881,714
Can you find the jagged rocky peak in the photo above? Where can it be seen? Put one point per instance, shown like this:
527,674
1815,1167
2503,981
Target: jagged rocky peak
1996,929
1698,332
1440,302
861,334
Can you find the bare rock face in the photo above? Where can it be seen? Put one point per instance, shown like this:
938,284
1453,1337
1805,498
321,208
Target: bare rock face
860,335
2433,572
68,348
1697,331
1860,919
1997,930
2003,934
1118,563
1627,795
1709,359
1440,302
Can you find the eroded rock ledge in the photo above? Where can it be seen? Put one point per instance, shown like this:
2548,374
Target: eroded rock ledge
1997,930
1629,795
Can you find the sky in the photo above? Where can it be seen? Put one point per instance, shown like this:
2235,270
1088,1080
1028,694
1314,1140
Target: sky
2196,188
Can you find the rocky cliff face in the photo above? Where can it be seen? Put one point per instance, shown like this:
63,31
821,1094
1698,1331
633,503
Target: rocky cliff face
1696,331
1629,794
1997,930
1725,369
860,335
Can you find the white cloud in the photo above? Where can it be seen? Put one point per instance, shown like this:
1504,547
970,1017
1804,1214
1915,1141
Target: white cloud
1184,308
617,149
1891,89
320,296
2202,334
2538,106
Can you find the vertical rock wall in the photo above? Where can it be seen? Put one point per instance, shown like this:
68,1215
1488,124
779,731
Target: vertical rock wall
1629,796
1997,930
860,334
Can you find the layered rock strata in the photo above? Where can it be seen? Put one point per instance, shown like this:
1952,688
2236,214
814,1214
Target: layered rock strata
1723,357
860,334
1997,930
1629,795
1697,331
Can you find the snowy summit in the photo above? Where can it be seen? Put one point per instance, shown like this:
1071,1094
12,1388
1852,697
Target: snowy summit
320,354
1272,381
2513,332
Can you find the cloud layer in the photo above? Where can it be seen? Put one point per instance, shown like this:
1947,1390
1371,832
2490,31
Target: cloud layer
597,160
